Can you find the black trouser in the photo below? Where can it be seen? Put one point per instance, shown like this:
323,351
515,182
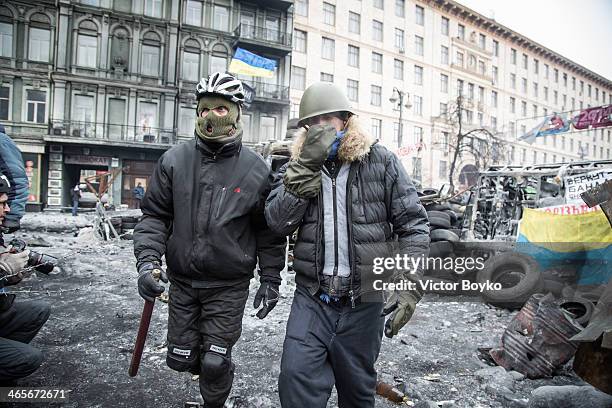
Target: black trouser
329,344
203,326
18,326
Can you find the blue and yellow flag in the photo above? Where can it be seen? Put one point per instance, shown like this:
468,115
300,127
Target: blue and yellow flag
583,240
247,63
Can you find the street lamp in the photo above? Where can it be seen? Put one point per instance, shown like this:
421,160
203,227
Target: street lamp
397,99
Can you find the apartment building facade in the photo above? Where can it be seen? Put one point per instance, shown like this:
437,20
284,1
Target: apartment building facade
431,50
92,86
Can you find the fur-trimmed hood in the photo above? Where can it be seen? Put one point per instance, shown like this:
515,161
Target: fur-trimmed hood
354,146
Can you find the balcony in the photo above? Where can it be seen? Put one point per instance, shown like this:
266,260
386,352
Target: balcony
71,131
263,40
270,93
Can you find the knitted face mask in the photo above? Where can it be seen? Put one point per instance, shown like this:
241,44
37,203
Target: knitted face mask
220,129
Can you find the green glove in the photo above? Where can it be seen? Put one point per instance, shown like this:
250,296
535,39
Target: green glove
402,305
317,146
303,176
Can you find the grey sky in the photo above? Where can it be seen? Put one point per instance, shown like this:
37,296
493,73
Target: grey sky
577,29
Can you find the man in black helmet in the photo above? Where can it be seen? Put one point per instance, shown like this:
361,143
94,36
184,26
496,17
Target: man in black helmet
349,198
203,210
19,322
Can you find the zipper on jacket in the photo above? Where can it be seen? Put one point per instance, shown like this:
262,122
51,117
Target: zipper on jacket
335,216
349,224
221,201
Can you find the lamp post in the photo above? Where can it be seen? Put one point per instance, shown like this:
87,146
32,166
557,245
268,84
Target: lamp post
397,99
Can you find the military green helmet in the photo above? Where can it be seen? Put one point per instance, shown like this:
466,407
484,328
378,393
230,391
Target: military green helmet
321,98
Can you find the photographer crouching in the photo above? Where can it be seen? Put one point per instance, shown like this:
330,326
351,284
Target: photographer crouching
19,322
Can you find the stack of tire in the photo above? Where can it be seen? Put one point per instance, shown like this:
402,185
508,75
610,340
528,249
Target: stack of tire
124,225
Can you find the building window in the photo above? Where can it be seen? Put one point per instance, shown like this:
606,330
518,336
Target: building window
535,110
376,128
352,88
398,69
299,43
399,39
535,89
494,99
87,51
268,128
221,18
494,122
444,26
153,8
513,81
418,45
377,60
443,109
536,66
556,75
82,114
36,106
512,105
298,78
418,105
377,30
524,85
459,58
495,48
353,56
193,13
187,116
482,41
418,75
380,4
494,73
218,64
325,77
329,14
546,71
555,98
376,95
525,61
6,40
481,94
419,17
354,23
442,169
461,31
301,7
328,48
191,66
443,83
513,56
40,44
546,93
147,118
523,108
150,60
459,87
482,67
5,92
400,8
565,80
444,55
418,134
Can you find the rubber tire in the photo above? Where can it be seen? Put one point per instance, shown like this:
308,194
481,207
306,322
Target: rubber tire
438,207
439,214
513,297
439,223
452,215
440,249
443,235
579,303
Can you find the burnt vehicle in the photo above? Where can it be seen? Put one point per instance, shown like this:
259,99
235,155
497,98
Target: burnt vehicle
487,226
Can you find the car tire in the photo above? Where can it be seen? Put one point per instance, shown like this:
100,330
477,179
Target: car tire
581,308
443,235
519,274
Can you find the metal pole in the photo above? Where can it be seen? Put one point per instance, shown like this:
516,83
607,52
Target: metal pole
401,125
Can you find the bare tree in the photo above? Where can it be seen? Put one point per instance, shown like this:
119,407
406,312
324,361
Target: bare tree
483,145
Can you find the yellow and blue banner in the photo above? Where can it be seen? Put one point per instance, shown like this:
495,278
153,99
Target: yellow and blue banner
584,240
247,63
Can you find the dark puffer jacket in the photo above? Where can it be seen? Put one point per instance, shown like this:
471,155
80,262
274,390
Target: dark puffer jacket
203,209
11,165
385,215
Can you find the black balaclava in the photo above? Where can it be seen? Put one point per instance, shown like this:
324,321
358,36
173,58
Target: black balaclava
214,129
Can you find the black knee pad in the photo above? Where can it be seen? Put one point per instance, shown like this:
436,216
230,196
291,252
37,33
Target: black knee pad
214,365
183,358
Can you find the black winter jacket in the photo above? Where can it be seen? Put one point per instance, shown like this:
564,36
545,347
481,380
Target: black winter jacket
203,209
385,215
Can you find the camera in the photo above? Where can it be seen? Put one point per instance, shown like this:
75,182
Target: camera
42,262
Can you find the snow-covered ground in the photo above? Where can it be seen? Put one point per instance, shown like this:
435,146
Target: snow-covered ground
96,309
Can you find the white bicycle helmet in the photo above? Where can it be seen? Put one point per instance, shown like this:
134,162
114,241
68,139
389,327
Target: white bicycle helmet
223,84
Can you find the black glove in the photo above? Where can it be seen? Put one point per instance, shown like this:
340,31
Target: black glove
11,264
268,293
148,286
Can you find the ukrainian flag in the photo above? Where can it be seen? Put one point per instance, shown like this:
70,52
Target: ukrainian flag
247,63
584,240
